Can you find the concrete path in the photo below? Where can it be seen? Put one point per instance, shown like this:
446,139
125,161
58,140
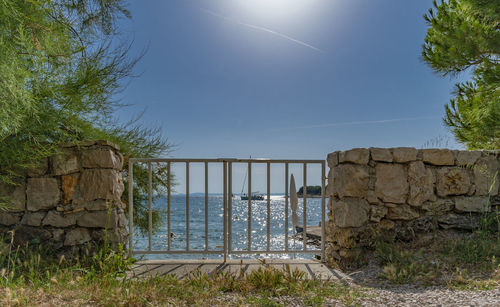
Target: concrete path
184,268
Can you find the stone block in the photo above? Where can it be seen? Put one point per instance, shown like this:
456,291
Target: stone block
101,158
35,235
65,163
391,184
472,204
377,213
350,212
8,219
442,157
438,207
77,236
14,196
99,184
99,219
457,221
402,212
381,154
42,193
486,176
404,154
356,156
68,186
57,219
107,143
57,234
97,205
452,181
33,218
39,169
421,181
350,180
467,157
333,159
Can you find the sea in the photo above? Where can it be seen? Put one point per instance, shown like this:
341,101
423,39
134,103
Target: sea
239,227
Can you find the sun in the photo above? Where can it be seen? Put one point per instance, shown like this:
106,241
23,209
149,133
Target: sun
273,8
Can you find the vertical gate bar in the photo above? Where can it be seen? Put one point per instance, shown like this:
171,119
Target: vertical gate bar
225,210
286,206
323,178
131,207
150,206
169,193
268,222
230,205
187,206
249,206
304,193
206,206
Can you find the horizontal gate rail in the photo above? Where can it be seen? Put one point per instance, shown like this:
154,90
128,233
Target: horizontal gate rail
227,247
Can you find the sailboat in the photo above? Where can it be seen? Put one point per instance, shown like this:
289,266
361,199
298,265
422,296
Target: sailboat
254,196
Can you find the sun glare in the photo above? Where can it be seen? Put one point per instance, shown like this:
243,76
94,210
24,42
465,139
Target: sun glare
274,8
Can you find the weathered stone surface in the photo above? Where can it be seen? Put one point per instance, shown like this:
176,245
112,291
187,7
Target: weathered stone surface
421,182
57,234
101,158
441,157
392,184
99,184
8,219
372,198
402,212
438,207
65,163
377,213
381,154
33,235
77,236
333,159
56,219
356,155
485,170
423,224
99,219
404,154
68,185
467,157
350,180
350,212
39,169
97,205
472,204
14,196
456,221
42,193
107,143
342,237
386,224
33,218
452,181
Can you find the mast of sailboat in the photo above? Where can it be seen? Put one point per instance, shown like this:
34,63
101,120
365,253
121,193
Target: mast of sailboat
245,180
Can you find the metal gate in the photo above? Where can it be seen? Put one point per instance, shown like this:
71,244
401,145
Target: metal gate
226,247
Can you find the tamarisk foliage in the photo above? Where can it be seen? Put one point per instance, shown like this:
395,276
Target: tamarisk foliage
62,64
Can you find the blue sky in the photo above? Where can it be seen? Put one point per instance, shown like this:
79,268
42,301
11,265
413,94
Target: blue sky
284,78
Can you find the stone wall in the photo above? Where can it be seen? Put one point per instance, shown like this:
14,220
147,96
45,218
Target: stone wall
70,201
398,193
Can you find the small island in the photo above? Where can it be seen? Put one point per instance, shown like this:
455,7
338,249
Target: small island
313,191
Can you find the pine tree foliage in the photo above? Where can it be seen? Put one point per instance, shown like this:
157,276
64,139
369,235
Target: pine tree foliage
464,37
62,63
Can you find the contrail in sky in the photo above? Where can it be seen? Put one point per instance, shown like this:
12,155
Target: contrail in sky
260,29
383,121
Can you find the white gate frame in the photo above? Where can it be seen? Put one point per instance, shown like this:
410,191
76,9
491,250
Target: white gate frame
227,197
